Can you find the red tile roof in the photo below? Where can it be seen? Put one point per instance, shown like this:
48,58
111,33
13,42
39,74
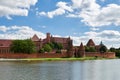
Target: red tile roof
5,43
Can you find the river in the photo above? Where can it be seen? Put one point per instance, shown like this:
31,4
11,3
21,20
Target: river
61,70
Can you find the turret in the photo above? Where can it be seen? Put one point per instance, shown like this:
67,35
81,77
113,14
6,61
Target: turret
81,51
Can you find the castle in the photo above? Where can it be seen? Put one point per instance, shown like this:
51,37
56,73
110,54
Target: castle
67,43
39,43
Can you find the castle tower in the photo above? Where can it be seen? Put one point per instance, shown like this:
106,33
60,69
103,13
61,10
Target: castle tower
48,37
81,51
91,43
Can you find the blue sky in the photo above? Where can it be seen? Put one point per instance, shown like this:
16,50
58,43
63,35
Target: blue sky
79,19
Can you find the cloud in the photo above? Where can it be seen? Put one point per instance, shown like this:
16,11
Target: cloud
62,9
3,28
110,38
15,7
89,12
95,15
19,32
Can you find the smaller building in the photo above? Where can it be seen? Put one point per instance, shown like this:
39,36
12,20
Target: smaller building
93,50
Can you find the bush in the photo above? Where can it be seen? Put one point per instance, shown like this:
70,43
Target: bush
41,50
90,49
58,51
47,48
103,49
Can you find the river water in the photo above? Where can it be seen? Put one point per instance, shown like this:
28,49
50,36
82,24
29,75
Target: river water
61,70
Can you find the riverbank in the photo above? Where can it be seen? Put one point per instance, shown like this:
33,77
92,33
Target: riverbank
55,59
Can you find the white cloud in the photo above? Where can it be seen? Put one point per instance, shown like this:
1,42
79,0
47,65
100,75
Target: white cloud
62,9
108,37
3,28
89,11
15,7
94,15
19,32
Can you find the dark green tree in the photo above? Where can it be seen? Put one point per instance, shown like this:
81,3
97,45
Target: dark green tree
112,49
103,49
23,46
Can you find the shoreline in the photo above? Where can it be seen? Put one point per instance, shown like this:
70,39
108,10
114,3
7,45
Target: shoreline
53,59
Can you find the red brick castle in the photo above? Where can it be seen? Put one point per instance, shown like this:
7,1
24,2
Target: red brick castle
69,49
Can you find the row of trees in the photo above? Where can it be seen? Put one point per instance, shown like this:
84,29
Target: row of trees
116,50
51,46
28,46
102,49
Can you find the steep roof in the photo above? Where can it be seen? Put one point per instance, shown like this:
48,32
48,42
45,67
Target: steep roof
35,38
90,43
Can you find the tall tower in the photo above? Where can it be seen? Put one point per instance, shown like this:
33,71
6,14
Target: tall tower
81,51
48,37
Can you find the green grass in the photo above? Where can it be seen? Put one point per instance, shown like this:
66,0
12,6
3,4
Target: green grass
61,59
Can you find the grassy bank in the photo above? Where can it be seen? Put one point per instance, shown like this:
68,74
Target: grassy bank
62,59
54,59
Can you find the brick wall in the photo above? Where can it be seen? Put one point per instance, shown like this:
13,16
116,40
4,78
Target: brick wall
35,55
98,54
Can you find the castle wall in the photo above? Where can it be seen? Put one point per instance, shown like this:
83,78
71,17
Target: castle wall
35,55
98,54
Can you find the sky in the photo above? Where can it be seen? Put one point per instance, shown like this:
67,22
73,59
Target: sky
80,20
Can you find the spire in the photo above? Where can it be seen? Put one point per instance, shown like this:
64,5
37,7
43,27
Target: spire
101,43
90,43
35,38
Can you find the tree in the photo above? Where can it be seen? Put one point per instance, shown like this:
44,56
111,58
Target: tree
23,46
47,48
59,46
41,50
112,49
55,45
103,49
90,49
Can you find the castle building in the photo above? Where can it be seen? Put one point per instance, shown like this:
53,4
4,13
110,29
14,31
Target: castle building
39,43
94,50
5,45
67,43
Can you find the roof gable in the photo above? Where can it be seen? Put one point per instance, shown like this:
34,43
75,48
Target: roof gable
90,43
35,38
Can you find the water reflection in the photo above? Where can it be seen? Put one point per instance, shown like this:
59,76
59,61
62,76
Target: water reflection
61,70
